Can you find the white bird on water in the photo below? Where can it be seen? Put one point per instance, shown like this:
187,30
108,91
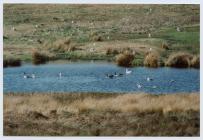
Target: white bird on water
60,74
128,71
25,76
33,76
149,79
139,86
154,86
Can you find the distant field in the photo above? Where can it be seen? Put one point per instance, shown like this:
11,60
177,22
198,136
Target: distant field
100,27
98,114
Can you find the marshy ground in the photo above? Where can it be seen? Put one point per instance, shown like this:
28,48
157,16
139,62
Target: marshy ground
98,114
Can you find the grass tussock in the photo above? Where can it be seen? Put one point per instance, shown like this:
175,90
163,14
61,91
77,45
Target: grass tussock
151,60
11,62
101,114
125,59
38,57
179,60
195,62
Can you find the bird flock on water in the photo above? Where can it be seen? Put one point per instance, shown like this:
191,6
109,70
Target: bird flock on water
110,76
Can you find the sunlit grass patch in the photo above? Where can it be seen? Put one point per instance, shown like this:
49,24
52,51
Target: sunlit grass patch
151,59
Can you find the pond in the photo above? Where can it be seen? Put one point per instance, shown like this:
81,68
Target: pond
91,77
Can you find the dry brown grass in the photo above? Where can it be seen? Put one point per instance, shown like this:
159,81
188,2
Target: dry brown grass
101,114
121,103
60,46
125,59
38,57
179,60
195,62
151,59
111,51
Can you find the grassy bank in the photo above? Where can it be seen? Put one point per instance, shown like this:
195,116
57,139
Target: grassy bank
94,29
98,114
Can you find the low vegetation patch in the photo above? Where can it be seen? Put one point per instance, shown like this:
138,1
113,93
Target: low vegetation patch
36,115
11,62
98,114
137,62
111,51
94,36
60,46
195,62
125,59
179,60
38,57
151,60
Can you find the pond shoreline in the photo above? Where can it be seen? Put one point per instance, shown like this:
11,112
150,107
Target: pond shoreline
68,61
97,114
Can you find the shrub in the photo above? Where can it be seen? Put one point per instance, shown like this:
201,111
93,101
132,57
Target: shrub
195,62
38,58
125,59
151,60
179,60
12,62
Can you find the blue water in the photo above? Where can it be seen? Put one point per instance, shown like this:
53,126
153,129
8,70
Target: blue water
90,77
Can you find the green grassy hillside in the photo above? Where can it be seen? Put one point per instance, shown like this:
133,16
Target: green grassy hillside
93,29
